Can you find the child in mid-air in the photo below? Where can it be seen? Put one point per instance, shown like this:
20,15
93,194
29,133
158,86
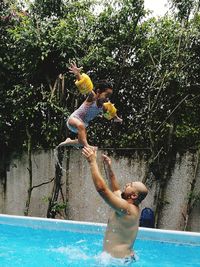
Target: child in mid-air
96,102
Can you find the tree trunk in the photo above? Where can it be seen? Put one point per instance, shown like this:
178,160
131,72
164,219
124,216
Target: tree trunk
57,187
167,162
3,174
28,201
192,196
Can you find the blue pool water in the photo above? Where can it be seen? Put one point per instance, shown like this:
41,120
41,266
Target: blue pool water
54,243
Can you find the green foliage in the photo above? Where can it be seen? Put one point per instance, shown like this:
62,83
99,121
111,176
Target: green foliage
184,8
153,64
57,207
194,198
47,8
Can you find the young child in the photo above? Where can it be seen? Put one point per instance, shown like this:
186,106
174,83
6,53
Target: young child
96,102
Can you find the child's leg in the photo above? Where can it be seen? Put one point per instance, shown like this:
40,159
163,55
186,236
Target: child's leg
76,126
82,137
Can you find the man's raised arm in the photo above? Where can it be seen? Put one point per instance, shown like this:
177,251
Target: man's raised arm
120,205
112,178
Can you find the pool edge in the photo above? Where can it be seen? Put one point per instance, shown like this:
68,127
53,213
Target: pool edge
91,227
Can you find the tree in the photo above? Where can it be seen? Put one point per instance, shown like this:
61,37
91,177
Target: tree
153,64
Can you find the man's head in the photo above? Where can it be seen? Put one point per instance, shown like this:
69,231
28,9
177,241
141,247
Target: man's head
135,191
103,89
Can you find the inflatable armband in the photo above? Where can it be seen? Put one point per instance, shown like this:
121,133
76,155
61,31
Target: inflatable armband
85,84
110,110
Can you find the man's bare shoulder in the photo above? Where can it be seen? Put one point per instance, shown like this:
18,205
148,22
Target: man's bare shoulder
132,210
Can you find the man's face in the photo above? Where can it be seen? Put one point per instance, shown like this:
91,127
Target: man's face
129,189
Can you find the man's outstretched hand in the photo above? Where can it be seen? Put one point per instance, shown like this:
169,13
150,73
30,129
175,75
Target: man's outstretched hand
106,159
89,153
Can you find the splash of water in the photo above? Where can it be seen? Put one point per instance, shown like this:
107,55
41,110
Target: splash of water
55,152
105,259
100,260
72,253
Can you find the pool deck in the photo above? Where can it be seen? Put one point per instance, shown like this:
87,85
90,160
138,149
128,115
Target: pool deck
192,238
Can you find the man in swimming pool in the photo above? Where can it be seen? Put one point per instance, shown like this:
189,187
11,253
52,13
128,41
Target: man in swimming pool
123,222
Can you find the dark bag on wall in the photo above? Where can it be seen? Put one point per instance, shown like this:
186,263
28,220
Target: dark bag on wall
147,218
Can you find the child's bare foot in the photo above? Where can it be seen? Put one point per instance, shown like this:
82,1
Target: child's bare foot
69,142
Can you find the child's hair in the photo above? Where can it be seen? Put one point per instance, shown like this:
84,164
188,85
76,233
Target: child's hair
102,85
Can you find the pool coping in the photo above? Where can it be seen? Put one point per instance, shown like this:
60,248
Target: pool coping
192,238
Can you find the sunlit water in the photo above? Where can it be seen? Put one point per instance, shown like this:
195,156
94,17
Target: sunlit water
24,246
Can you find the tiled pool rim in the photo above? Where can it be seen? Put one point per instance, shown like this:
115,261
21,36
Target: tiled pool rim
89,227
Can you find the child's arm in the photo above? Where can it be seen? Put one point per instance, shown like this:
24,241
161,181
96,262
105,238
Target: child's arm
83,82
75,70
117,119
110,112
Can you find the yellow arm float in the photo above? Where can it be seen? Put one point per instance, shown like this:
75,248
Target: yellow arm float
110,110
85,84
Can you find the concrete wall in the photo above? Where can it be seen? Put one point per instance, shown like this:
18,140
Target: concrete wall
177,193
17,184
84,204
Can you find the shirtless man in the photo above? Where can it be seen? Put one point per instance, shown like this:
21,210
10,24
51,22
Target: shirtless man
123,223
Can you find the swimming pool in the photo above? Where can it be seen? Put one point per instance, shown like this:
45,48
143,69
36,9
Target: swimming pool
40,242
